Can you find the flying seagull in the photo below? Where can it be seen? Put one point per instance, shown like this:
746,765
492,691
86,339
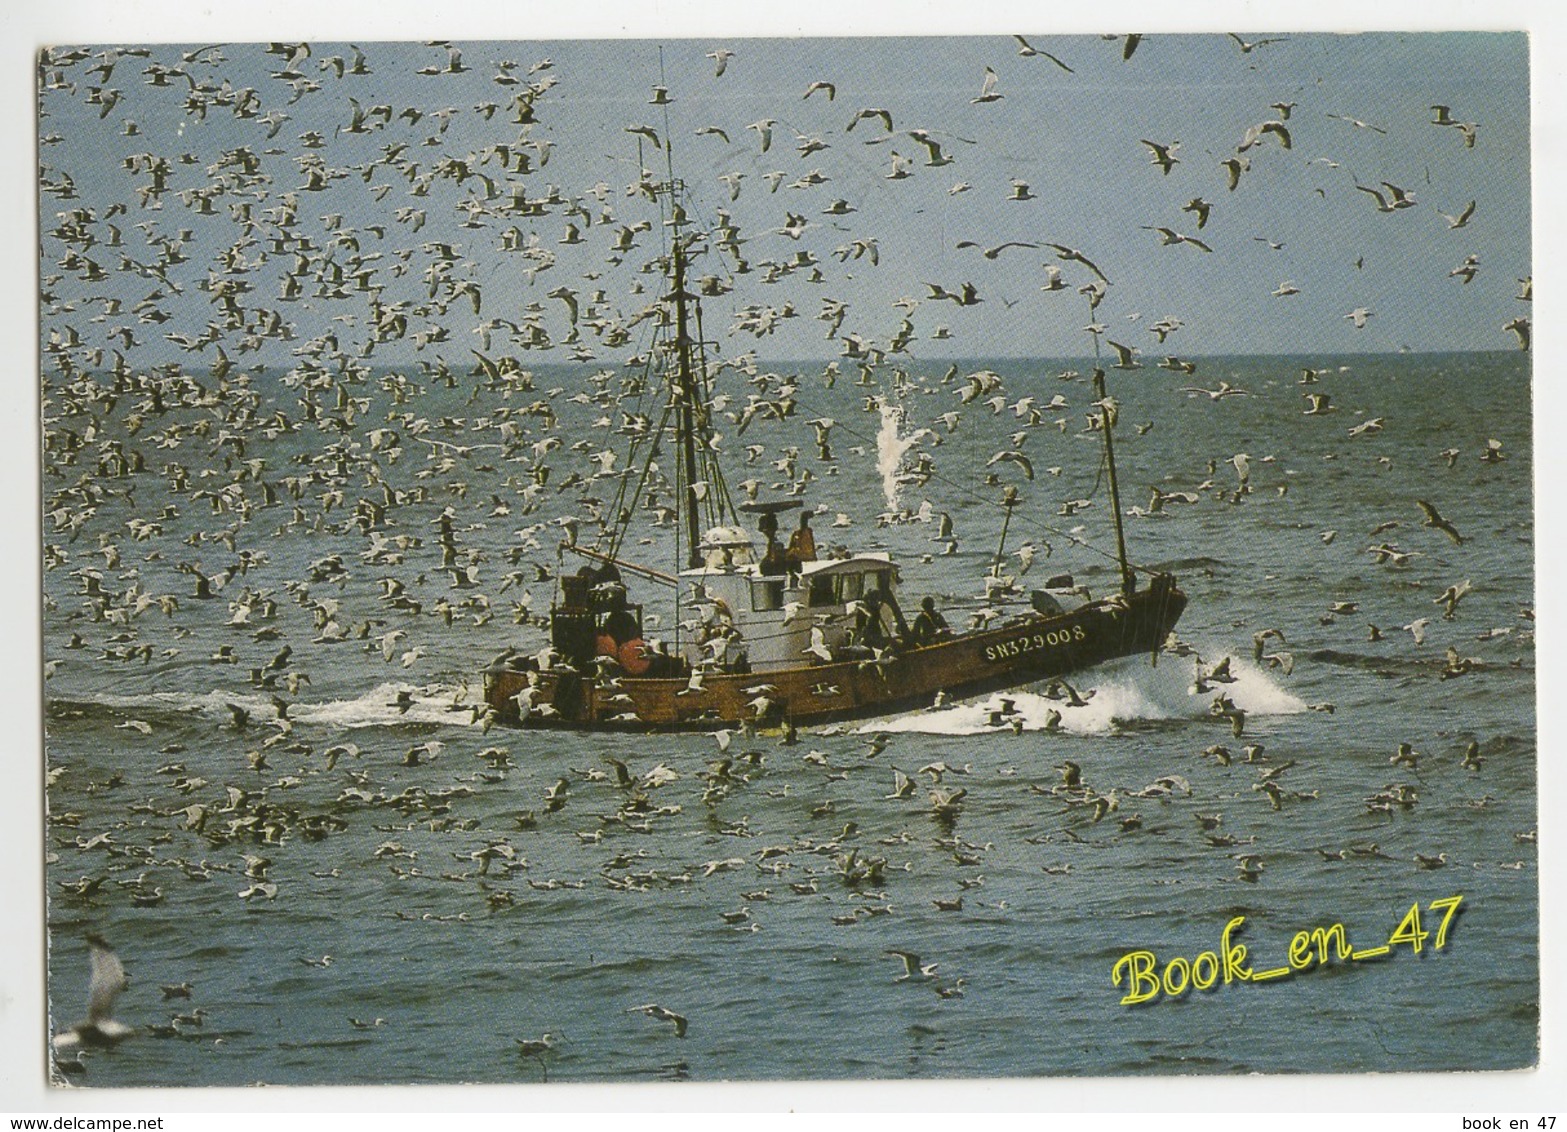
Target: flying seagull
1400,198
1435,520
1028,51
1254,135
663,1014
1357,123
1169,236
1124,356
1163,155
1248,48
912,967
105,984
1073,256
987,90
1200,208
1461,219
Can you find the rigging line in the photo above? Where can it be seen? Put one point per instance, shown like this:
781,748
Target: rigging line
680,390
631,455
715,502
697,211
669,160
620,528
633,414
647,469
1104,459
1107,413
712,465
652,438
643,382
978,498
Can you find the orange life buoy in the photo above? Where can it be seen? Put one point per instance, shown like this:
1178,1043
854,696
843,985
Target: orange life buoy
606,645
633,657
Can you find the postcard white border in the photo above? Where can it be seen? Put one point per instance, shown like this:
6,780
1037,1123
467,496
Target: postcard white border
22,1036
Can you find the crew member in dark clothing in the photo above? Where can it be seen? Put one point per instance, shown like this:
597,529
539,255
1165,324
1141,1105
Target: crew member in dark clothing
618,624
872,632
802,543
929,626
775,561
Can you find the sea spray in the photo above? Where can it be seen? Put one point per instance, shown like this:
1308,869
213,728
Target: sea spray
1122,692
890,449
378,707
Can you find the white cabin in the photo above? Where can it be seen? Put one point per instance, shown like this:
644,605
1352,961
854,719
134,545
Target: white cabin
772,615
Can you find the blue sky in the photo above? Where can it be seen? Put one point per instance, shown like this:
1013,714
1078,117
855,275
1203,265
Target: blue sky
1296,222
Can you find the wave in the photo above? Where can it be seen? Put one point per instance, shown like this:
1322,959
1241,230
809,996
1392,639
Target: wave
385,705
1121,693
380,707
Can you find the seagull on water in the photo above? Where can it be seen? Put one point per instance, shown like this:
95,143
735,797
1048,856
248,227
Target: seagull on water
536,1048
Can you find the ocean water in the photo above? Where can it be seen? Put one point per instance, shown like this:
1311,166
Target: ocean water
430,908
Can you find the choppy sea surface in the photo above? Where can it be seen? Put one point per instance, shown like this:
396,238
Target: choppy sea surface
371,890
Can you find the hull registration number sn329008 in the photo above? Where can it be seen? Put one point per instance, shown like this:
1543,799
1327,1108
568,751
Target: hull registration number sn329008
1052,638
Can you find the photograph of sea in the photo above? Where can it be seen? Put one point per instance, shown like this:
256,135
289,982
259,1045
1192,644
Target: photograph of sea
786,559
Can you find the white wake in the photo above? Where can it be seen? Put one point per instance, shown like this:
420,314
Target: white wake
1122,692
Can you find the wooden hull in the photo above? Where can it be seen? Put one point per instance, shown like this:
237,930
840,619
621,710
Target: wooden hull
1026,649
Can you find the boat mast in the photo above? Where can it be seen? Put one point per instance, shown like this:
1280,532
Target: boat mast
685,388
685,382
1128,579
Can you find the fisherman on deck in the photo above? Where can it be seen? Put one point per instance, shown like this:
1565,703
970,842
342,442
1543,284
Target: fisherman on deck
775,561
802,543
870,630
929,626
619,624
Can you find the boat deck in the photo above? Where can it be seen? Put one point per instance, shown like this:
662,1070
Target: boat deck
1026,649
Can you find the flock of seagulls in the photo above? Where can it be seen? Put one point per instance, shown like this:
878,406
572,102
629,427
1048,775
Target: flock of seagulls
301,431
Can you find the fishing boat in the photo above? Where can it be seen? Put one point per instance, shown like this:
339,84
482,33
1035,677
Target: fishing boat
772,634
